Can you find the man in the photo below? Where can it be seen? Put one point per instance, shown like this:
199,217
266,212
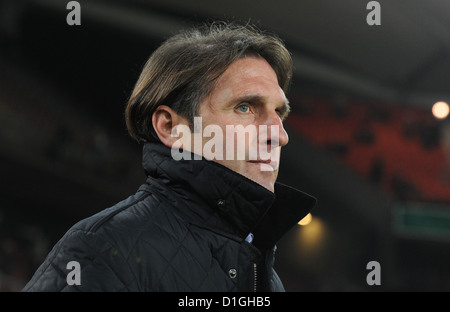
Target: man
210,212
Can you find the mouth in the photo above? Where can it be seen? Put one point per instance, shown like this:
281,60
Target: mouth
266,165
268,161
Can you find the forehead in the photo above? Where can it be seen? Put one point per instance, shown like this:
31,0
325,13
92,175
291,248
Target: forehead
248,76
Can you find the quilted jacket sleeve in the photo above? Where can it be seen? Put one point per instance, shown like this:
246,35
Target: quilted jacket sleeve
83,261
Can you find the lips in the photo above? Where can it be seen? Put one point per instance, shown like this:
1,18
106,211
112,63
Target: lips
266,165
268,161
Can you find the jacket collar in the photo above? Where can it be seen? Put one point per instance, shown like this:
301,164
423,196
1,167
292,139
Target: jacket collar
243,204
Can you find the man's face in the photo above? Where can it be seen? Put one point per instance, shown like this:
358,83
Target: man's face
248,95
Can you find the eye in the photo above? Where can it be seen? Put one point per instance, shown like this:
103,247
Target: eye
281,114
243,108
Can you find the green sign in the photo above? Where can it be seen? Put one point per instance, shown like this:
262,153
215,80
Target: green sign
422,220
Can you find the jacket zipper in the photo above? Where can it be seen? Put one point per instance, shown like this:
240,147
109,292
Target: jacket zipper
255,277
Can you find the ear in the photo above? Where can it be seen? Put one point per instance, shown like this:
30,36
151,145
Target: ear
166,121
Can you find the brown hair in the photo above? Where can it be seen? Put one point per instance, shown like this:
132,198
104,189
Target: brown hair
183,70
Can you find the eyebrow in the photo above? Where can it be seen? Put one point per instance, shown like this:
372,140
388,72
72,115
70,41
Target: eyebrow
284,109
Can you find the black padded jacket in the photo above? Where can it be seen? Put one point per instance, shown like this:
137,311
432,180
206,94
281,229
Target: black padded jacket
184,230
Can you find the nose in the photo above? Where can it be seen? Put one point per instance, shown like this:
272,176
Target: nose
283,135
277,134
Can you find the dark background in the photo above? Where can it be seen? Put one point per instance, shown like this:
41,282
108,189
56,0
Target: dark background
362,136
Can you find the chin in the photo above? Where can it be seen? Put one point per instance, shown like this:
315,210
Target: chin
265,178
265,182
270,187
262,175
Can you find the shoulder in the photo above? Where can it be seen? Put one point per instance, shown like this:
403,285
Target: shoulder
139,216
89,256
141,219
107,244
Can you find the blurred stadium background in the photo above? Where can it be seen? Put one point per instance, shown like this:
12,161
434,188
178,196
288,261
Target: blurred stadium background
363,136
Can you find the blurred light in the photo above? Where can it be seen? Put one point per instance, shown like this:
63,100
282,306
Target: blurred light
312,237
306,220
440,110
